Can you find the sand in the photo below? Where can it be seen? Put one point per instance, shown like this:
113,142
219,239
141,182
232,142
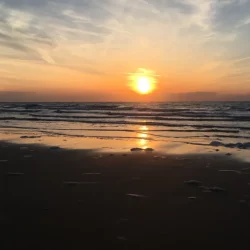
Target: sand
76,199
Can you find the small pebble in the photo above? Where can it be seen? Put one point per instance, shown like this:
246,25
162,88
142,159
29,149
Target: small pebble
193,182
192,198
122,238
3,161
15,174
136,195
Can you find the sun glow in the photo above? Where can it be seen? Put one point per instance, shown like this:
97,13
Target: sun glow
144,85
143,81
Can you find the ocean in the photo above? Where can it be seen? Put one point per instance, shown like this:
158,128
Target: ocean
173,127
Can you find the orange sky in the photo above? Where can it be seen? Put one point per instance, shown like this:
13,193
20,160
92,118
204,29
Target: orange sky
63,48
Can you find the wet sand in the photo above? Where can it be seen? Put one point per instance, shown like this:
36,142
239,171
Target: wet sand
76,199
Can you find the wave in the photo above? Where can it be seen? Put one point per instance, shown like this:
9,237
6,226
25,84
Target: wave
122,122
95,136
162,114
131,130
78,117
53,133
159,118
145,115
136,112
20,111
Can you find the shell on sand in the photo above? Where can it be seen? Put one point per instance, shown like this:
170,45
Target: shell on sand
136,195
15,174
192,198
193,182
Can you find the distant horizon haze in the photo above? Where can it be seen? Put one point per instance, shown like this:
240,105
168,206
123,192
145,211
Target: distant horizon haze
11,96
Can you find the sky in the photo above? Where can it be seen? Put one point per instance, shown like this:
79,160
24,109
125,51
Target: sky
82,50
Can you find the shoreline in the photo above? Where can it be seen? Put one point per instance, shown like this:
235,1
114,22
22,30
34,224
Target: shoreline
86,199
104,144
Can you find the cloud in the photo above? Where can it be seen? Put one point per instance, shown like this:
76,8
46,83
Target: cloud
229,15
22,51
18,34
40,27
178,5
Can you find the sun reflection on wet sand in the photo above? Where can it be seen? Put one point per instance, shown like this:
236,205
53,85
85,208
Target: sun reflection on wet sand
143,142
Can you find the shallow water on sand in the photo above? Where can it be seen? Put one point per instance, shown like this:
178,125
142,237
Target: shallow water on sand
166,127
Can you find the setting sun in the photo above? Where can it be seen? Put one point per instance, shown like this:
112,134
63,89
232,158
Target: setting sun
144,85
143,81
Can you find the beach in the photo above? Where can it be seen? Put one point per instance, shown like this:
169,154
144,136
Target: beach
124,125
55,198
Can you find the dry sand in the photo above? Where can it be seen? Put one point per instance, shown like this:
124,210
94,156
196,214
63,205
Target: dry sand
73,199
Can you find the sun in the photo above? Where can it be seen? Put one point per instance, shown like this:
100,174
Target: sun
144,85
143,81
